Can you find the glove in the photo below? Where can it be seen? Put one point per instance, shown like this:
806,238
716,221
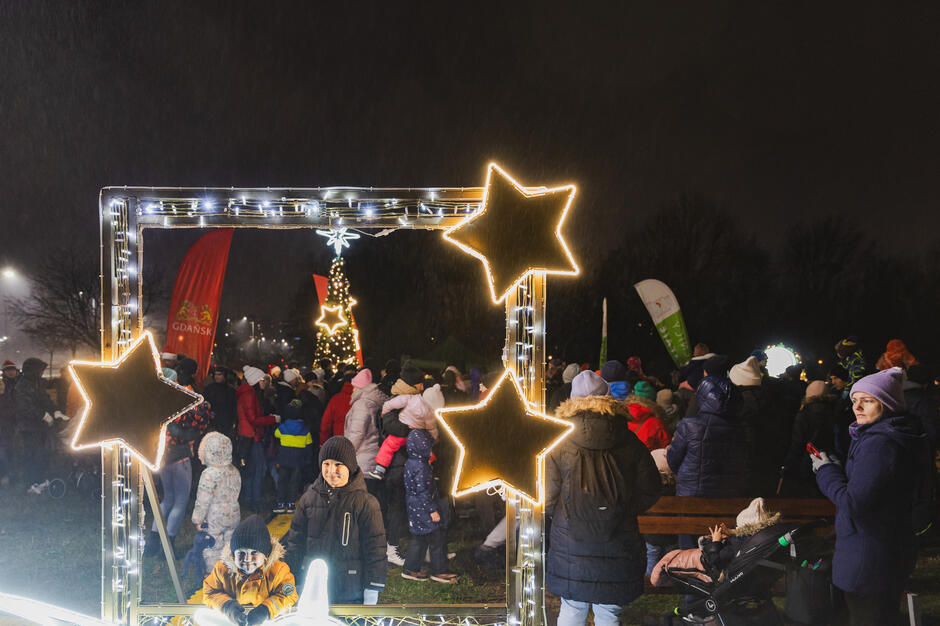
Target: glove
822,459
370,597
47,418
233,611
59,415
258,615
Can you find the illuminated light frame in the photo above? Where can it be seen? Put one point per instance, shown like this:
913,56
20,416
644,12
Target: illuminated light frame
330,331
528,192
539,458
158,372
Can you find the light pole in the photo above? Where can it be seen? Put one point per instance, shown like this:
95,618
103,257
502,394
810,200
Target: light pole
9,274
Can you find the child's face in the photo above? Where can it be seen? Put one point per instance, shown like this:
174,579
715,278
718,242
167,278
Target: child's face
334,473
248,561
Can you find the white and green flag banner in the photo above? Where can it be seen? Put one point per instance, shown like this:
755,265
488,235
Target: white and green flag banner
667,317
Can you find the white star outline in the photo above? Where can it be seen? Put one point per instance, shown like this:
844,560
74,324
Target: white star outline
339,238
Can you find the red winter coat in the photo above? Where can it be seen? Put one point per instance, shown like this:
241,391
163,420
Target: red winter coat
334,418
251,422
646,424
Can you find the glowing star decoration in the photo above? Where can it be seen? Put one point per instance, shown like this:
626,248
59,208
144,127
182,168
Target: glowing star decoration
339,238
779,358
517,231
331,318
39,612
502,440
129,402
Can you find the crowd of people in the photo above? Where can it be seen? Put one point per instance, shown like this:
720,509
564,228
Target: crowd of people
355,456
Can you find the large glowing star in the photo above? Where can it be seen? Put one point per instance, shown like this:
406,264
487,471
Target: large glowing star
339,238
502,440
331,318
517,231
129,402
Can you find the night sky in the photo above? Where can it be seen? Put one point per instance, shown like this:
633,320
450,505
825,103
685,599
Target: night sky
777,111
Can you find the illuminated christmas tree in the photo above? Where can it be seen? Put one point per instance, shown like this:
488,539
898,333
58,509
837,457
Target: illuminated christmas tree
336,337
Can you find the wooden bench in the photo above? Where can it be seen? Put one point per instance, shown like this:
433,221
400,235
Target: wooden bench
694,516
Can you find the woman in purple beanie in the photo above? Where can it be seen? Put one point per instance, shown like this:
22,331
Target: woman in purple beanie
875,496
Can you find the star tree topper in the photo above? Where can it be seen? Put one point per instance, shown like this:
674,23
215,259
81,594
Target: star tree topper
339,238
517,231
129,402
502,440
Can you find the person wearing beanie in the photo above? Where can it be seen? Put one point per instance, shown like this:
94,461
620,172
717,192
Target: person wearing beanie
879,495
339,521
251,424
563,392
851,358
646,418
587,383
361,424
250,584
415,413
669,403
596,554
839,379
409,383
747,373
295,445
615,375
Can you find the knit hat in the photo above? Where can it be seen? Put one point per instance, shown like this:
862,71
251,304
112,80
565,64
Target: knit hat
253,375
294,410
411,374
847,346
362,379
434,397
885,386
587,383
290,375
570,372
339,449
816,388
644,390
745,374
613,371
664,398
760,355
251,534
754,513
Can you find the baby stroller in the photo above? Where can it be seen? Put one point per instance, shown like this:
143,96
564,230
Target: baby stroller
742,595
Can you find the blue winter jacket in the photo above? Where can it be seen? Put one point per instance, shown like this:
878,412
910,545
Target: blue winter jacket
296,444
420,493
874,498
709,450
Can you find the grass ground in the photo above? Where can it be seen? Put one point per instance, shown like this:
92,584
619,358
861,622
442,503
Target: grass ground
51,549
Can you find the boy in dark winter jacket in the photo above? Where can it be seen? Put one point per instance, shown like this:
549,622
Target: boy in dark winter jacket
293,454
424,514
338,521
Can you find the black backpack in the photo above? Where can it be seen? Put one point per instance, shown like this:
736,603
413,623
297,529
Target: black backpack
595,496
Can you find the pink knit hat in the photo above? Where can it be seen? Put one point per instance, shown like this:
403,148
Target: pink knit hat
362,379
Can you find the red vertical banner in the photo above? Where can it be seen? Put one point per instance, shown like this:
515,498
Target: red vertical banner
194,308
322,285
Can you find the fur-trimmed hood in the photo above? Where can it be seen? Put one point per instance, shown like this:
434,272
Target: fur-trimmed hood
600,422
228,559
646,403
746,530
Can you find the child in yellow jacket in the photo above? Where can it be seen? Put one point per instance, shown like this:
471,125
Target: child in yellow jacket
250,584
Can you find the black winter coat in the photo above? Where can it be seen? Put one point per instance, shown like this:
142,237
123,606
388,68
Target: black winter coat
923,405
815,424
221,397
558,396
604,572
707,452
30,398
342,526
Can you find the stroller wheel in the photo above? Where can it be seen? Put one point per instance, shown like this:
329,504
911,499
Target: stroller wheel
57,488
